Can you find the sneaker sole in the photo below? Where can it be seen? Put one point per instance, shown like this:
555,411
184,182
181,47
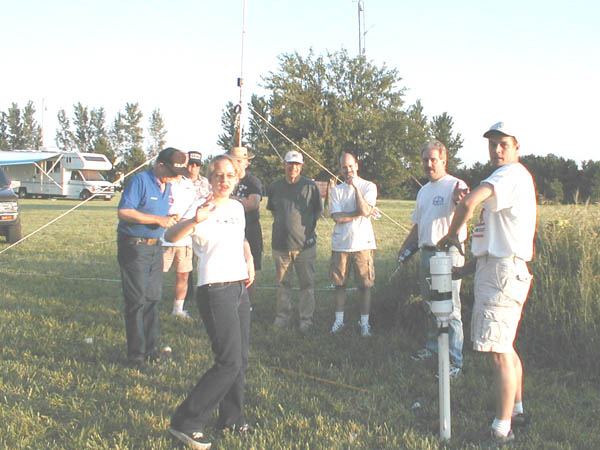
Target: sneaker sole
191,443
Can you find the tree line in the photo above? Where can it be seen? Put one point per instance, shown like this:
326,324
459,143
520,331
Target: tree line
87,130
325,104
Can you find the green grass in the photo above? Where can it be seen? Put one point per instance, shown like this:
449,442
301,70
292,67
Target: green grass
62,286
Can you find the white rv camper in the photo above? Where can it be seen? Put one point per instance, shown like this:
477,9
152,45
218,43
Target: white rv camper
73,175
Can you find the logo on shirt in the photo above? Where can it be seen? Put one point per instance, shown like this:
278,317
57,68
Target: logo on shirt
438,200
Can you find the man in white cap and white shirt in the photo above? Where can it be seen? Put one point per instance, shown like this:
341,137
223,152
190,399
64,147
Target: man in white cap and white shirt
296,205
502,244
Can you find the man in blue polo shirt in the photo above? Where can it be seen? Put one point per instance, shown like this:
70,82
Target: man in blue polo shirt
143,217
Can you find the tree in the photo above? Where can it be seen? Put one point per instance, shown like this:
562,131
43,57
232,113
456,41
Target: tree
126,138
32,132
330,104
83,136
3,131
100,141
157,133
15,128
441,129
229,123
64,136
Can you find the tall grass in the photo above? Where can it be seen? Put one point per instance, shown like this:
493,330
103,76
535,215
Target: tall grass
561,319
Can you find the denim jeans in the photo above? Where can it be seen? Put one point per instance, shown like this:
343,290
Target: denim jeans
141,276
456,334
304,262
225,311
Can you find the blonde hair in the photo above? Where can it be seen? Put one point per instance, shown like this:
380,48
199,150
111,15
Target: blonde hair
210,169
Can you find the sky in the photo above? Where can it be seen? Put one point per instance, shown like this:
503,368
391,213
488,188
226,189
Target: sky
532,64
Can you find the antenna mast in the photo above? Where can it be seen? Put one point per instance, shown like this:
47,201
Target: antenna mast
240,80
361,28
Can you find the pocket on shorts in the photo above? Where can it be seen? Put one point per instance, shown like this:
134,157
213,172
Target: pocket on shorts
514,280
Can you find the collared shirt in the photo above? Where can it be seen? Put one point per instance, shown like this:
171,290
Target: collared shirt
143,193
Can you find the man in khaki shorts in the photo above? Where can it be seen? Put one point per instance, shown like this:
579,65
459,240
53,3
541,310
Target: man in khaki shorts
502,244
179,254
353,240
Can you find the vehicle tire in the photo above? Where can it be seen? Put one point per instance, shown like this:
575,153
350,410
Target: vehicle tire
84,195
14,232
22,193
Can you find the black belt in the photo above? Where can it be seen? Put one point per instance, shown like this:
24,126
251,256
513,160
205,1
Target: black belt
429,247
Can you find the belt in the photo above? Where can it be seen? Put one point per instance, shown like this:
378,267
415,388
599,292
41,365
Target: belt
139,240
429,247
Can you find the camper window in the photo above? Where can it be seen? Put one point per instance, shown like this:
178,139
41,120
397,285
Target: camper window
92,175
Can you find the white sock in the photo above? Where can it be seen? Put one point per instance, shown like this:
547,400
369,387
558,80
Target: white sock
178,306
502,427
339,316
518,408
364,319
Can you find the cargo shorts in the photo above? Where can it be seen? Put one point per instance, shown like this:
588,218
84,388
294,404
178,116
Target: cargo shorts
501,289
180,257
364,268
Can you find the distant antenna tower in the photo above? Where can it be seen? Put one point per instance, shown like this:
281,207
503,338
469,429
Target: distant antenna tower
361,27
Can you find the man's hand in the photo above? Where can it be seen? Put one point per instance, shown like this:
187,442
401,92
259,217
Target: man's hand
458,194
448,241
168,221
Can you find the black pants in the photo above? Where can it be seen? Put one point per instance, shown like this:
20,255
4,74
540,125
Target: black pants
225,311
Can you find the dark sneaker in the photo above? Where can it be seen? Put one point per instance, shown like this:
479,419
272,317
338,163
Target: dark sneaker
194,440
496,440
520,420
137,363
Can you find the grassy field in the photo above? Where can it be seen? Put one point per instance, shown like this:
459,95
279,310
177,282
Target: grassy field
58,391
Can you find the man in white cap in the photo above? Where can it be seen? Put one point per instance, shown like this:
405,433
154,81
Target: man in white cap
352,240
296,205
502,245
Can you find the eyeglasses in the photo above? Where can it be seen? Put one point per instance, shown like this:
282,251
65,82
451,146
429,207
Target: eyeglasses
228,175
193,163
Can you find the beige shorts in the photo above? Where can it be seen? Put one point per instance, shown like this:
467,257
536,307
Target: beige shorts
364,269
501,288
180,257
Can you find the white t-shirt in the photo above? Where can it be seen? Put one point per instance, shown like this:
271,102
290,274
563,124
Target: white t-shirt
507,221
434,210
219,245
183,195
357,234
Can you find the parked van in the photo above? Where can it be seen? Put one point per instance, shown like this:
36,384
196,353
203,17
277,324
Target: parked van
73,175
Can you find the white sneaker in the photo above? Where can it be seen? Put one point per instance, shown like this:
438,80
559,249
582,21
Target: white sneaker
454,372
422,355
181,314
365,329
337,326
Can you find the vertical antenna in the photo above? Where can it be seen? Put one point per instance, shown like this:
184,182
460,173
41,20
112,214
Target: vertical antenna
361,27
240,80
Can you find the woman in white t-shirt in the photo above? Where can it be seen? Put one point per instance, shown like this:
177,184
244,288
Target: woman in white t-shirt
225,270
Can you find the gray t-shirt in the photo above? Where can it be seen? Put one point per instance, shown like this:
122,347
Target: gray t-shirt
296,208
